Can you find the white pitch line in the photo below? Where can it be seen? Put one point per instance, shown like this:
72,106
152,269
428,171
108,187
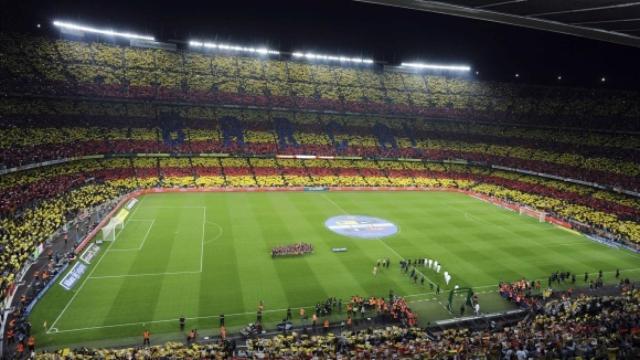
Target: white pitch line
146,235
188,318
82,285
446,308
574,243
420,294
217,236
204,222
176,320
335,204
147,274
175,207
165,273
485,286
92,271
266,311
143,239
400,256
382,241
555,227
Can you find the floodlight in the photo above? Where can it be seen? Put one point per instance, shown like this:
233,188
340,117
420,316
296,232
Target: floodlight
245,49
437,66
71,26
335,58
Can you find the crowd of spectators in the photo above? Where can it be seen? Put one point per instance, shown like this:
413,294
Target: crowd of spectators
562,327
609,211
60,67
37,219
523,293
21,233
376,116
612,164
39,130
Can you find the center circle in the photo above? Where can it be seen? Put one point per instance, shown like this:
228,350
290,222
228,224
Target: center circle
359,226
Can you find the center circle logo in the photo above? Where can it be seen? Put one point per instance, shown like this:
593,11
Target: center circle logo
364,227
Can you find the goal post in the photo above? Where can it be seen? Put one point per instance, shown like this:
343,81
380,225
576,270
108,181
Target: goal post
110,229
540,215
115,223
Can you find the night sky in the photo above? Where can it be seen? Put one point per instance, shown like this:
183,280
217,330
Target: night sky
350,28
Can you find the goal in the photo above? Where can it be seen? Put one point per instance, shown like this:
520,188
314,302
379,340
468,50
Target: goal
540,215
109,230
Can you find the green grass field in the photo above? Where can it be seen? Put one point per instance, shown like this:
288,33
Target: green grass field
203,254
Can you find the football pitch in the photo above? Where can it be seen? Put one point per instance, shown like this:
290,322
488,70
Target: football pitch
199,255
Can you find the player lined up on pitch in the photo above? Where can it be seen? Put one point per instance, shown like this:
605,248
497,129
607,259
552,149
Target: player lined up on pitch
292,249
410,267
380,264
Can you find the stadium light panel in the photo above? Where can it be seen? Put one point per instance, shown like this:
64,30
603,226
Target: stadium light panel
322,57
437,66
228,47
72,26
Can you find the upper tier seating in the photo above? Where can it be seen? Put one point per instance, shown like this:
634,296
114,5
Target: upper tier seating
62,99
40,66
36,130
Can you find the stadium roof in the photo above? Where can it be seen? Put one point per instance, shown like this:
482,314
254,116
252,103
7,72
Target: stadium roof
616,21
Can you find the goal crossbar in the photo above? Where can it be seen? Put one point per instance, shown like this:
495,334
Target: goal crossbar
115,224
540,215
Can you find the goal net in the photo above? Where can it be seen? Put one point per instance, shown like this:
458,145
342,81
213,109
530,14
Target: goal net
109,230
540,215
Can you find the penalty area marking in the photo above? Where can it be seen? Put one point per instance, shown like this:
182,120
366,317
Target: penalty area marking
221,231
143,239
204,221
76,292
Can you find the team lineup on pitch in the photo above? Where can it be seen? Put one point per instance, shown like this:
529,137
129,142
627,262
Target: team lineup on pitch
199,255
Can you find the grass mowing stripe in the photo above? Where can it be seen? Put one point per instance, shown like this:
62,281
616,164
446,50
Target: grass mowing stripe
305,219
143,275
312,306
76,292
381,240
144,238
238,270
541,246
204,222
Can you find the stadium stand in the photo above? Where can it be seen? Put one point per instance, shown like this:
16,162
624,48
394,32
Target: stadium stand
83,123
584,326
